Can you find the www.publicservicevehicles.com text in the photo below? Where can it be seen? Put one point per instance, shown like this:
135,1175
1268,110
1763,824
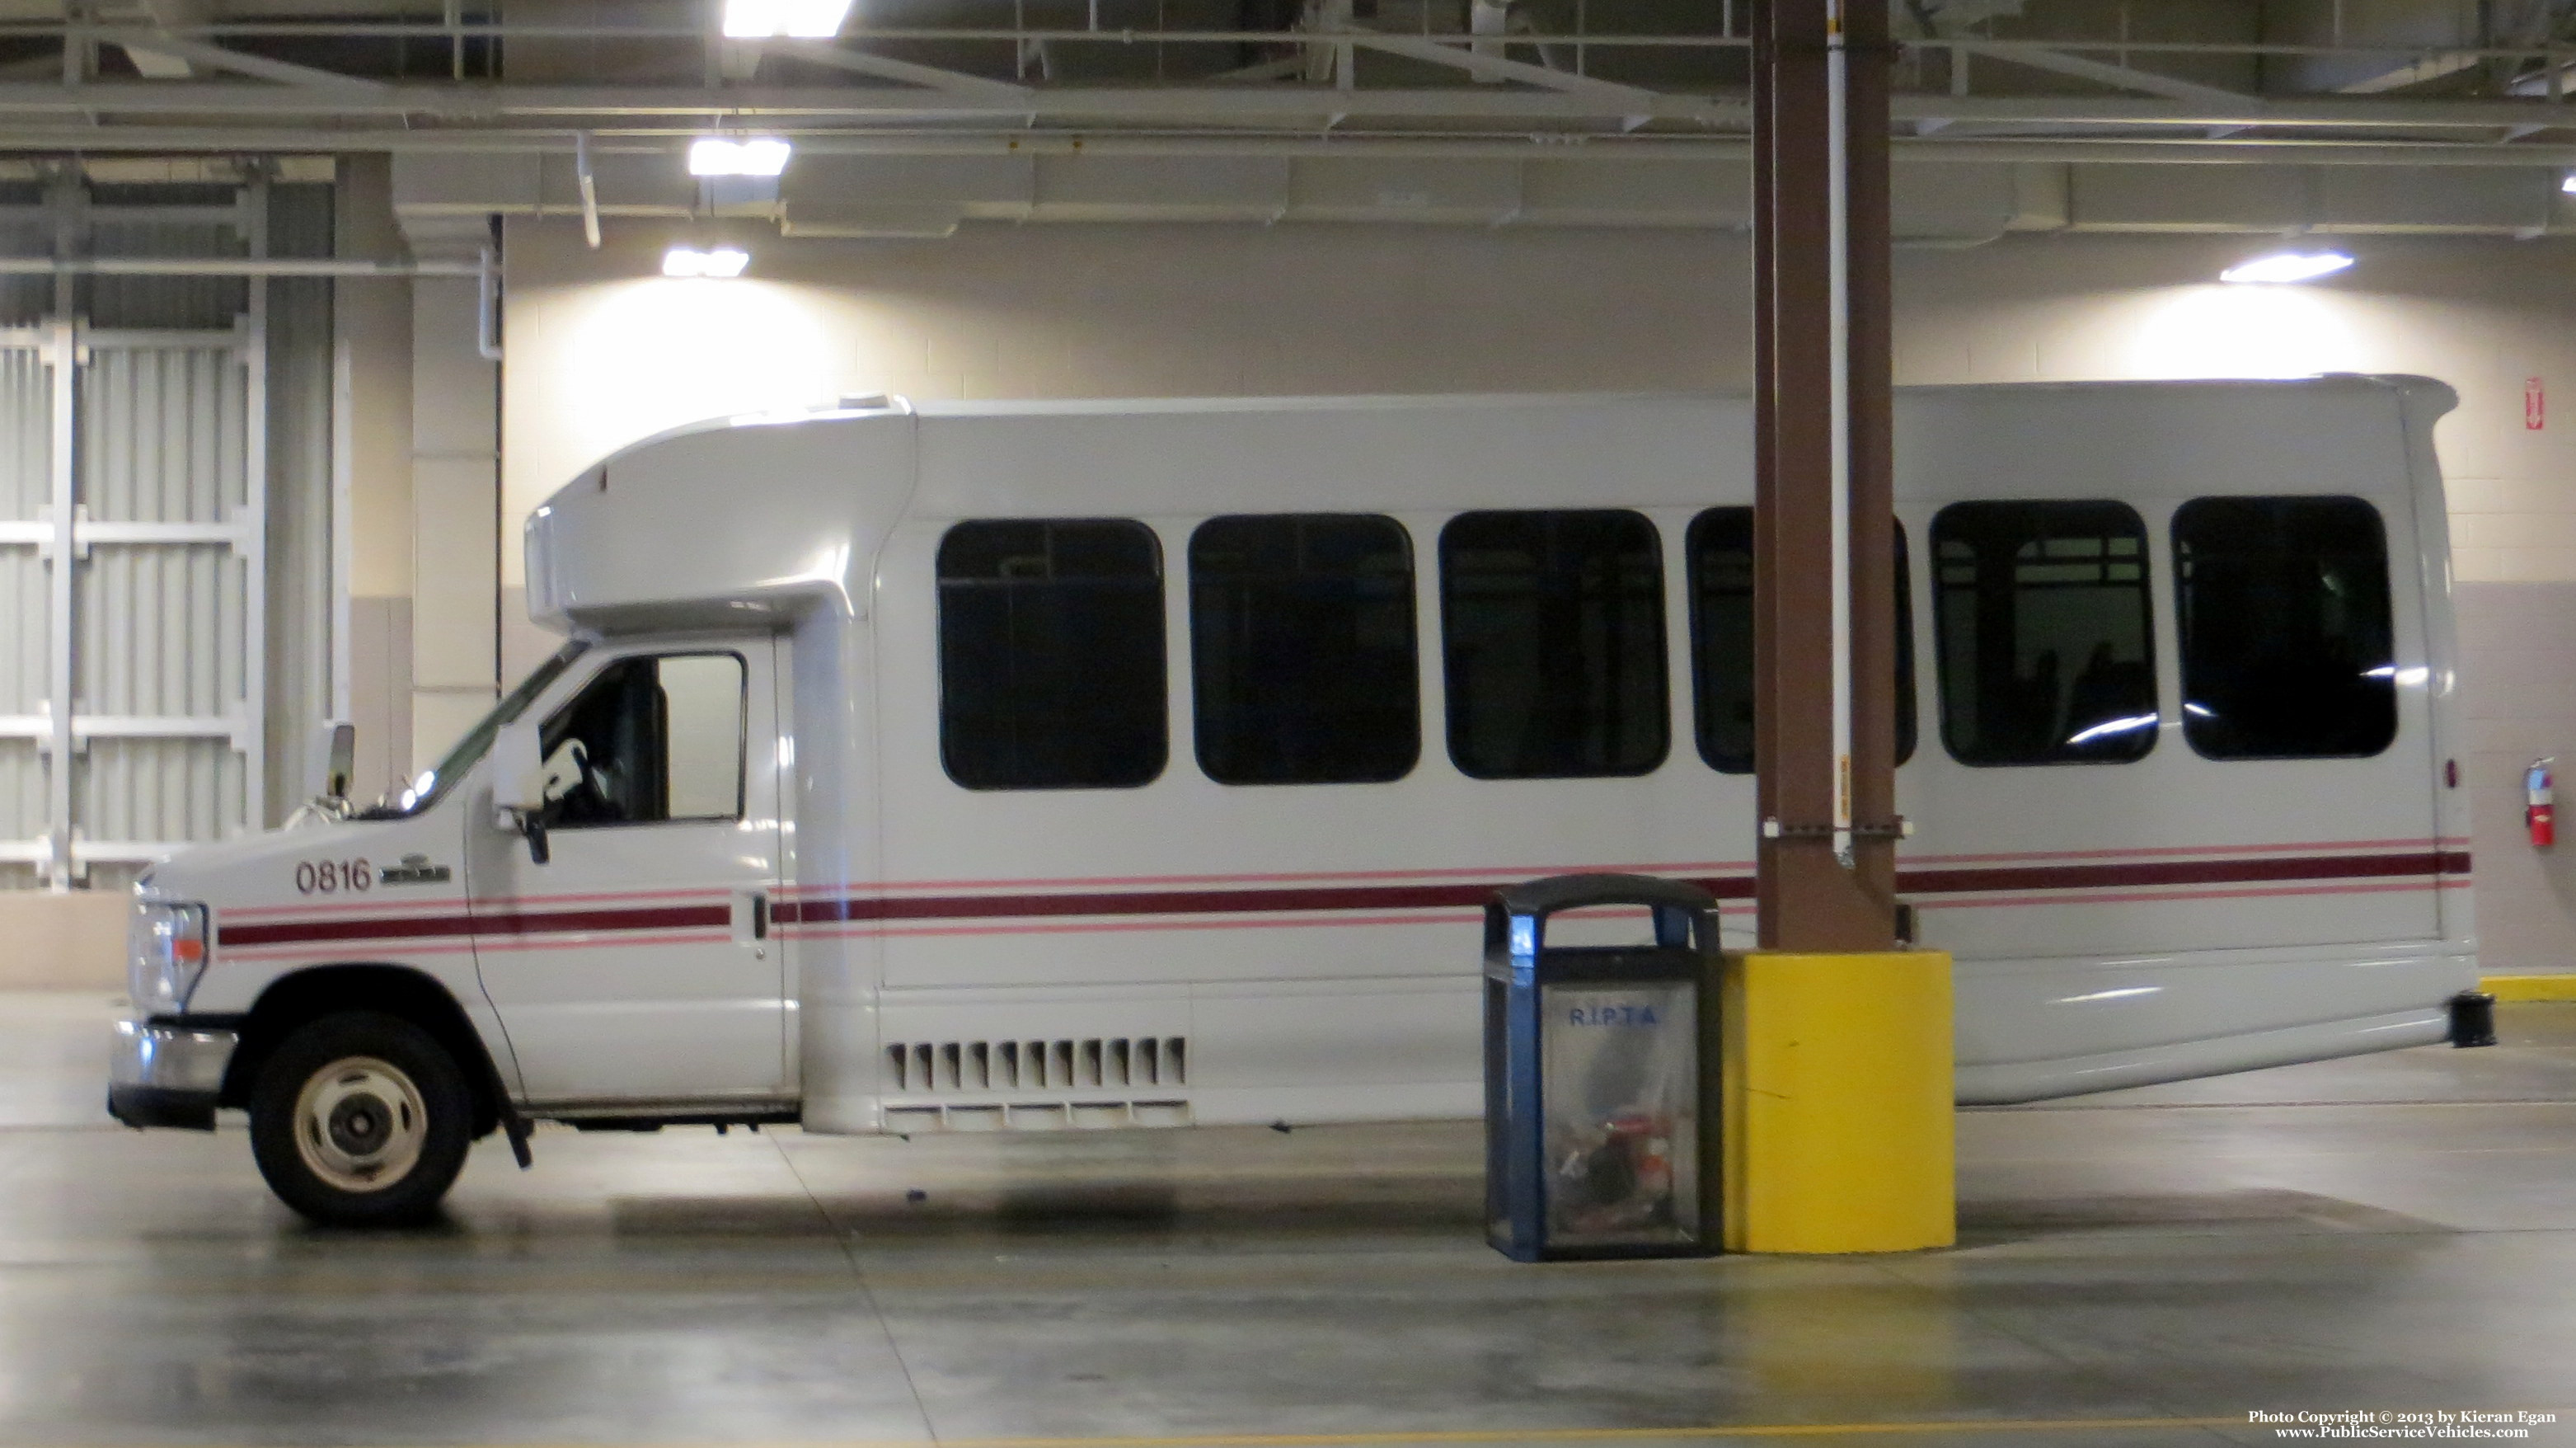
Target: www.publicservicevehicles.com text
2436,1423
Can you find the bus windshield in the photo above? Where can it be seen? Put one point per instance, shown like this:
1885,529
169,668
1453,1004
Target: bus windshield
426,790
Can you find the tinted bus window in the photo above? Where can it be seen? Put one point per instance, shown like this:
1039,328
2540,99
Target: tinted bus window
1553,633
1721,576
1302,650
2041,619
2286,650
1051,654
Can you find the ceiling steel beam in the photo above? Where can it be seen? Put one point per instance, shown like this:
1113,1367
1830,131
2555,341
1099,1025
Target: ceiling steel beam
2414,72
2249,111
1493,67
157,62
945,82
216,57
485,104
587,107
1605,146
2123,77
861,30
2245,152
2417,60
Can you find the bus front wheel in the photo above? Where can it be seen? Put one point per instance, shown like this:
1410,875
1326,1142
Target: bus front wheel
361,1119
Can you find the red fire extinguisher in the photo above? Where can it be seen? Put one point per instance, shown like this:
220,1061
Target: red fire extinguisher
2539,810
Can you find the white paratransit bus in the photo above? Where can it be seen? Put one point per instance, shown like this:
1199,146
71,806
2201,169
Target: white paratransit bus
1037,766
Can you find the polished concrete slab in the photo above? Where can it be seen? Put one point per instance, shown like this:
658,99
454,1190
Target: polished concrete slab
2395,1234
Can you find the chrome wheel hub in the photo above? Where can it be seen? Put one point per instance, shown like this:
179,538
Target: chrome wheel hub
360,1124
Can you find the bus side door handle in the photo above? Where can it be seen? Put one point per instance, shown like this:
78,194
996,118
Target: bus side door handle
750,916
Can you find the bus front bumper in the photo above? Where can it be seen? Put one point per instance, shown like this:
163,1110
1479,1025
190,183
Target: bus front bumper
165,1074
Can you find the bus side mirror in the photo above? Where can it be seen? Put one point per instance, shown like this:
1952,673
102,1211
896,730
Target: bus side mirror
335,759
519,786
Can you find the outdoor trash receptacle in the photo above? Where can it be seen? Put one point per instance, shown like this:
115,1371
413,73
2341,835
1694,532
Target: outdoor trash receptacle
1601,1109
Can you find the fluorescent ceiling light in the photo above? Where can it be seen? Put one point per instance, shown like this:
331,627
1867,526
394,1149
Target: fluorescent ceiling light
719,262
2568,185
2288,266
754,156
796,19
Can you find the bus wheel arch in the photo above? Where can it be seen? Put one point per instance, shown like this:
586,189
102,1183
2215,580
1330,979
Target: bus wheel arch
294,1001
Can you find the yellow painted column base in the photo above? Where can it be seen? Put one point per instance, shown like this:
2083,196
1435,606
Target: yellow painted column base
1838,1102
2531,987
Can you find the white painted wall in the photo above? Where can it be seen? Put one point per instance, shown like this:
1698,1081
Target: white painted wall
602,352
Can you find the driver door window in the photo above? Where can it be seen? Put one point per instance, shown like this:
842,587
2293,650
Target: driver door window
652,739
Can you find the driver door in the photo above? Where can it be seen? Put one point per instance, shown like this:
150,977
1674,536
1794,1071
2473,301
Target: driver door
634,965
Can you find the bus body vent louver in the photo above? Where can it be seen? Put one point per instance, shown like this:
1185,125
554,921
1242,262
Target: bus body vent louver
1095,1063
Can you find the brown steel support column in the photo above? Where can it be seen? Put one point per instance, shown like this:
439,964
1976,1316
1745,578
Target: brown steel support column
1824,751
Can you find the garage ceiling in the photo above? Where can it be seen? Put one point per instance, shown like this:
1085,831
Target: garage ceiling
2411,82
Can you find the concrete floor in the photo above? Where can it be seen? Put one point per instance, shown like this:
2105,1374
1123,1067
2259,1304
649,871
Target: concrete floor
2396,1233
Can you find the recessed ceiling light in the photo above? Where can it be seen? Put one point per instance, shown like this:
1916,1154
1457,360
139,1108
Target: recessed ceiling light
2288,266
753,156
719,262
796,19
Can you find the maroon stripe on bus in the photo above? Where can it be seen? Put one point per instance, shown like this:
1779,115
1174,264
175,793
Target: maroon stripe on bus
415,927
2177,872
1167,902
297,932
652,917
1425,897
1300,899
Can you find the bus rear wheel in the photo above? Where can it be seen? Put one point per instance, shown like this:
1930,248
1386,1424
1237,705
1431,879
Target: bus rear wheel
361,1119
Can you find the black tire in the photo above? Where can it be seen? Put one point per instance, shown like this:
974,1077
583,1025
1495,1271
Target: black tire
361,1119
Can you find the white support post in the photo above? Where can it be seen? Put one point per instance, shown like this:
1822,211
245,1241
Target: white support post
62,349
252,738
335,650
1838,264
62,354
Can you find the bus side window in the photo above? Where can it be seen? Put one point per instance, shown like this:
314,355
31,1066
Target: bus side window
2286,645
1051,665
1552,630
2041,616
1302,649
1720,550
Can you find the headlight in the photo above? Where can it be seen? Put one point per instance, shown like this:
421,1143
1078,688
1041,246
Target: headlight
166,952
